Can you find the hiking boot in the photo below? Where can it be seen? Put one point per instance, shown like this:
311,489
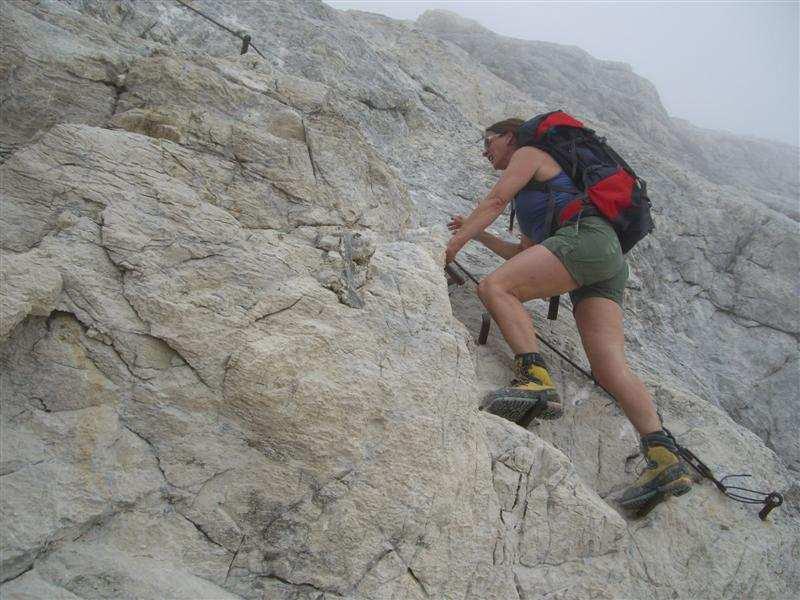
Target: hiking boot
530,395
665,475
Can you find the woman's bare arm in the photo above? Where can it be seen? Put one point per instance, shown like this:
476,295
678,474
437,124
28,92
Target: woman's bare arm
496,244
499,246
523,166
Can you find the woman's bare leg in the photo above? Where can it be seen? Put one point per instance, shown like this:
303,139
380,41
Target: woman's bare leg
599,322
533,273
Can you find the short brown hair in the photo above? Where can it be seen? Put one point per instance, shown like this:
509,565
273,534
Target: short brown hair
505,126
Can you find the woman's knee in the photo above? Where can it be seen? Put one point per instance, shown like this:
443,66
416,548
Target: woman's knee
489,288
483,290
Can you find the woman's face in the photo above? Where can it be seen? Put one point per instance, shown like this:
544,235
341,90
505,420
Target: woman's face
498,148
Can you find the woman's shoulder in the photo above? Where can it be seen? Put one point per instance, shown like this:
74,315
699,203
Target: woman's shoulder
547,167
531,152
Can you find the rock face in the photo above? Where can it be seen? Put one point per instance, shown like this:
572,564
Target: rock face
231,366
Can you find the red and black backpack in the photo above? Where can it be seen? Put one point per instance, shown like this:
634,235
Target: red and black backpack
611,188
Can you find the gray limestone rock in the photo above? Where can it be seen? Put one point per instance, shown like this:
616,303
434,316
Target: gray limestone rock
231,365
24,294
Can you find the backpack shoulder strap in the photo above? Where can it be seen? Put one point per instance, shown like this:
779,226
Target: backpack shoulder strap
551,211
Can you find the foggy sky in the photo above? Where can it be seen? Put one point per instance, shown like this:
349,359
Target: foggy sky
730,66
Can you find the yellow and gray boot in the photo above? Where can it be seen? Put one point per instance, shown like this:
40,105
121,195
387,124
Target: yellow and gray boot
530,395
665,475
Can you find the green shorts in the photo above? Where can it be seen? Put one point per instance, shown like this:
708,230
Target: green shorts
590,251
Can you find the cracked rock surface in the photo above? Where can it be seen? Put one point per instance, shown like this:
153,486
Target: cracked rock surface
231,366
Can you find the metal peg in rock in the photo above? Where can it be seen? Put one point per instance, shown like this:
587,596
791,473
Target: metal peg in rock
245,41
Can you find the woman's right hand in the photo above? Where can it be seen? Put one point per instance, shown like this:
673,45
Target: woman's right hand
455,223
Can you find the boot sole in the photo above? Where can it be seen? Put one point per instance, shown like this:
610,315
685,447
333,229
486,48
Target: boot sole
523,410
644,509
649,499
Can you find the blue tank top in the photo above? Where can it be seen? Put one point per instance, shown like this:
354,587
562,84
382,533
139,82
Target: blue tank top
531,206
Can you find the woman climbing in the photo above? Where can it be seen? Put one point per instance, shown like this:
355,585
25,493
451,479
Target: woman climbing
582,257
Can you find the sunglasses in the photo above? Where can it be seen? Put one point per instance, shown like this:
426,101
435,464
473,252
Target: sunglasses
487,141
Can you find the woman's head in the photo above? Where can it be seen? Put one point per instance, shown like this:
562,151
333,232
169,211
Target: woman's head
500,142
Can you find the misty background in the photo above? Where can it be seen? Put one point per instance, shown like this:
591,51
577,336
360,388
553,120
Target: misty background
729,66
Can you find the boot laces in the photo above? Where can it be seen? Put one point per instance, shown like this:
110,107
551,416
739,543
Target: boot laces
648,464
644,464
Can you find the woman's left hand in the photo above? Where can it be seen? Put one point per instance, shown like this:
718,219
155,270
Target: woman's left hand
453,247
